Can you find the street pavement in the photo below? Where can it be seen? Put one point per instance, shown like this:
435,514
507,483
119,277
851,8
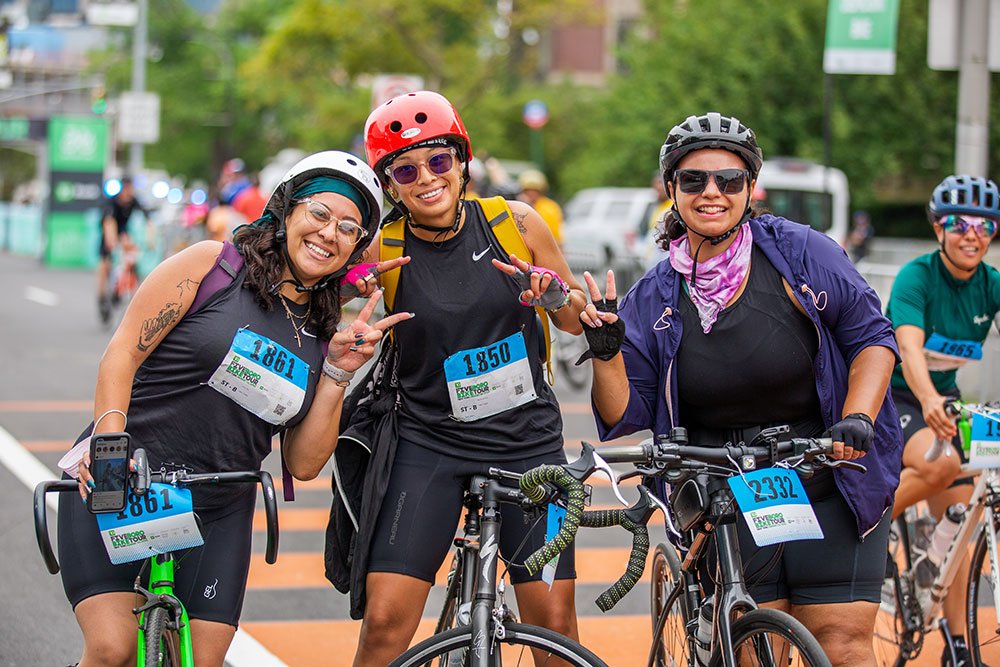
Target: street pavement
53,344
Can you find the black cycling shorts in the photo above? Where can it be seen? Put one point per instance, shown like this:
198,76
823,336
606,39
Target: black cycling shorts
838,568
423,505
210,580
911,419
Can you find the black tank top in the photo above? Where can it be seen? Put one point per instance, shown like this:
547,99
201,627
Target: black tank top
462,301
182,422
756,365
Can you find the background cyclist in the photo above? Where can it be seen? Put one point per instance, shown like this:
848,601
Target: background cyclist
942,305
418,145
714,338
160,369
114,234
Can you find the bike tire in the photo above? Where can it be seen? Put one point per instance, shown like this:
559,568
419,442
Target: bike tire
162,647
668,611
897,638
756,632
985,645
517,642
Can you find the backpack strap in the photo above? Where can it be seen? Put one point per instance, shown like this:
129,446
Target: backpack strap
227,265
501,221
390,247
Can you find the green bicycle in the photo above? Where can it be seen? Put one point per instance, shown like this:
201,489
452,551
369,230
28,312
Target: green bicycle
164,637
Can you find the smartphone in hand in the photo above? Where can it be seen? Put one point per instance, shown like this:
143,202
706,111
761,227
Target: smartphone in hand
109,459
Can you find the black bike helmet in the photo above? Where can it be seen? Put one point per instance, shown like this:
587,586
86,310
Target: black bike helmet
965,195
713,130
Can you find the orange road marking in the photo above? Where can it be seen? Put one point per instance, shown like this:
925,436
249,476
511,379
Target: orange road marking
598,565
47,445
46,406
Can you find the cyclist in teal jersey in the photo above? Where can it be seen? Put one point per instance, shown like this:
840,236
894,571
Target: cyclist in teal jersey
941,307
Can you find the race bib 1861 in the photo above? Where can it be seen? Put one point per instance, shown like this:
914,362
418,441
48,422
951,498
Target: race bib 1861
485,381
158,522
775,506
263,377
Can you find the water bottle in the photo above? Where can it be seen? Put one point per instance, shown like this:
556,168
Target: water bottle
927,568
703,635
945,533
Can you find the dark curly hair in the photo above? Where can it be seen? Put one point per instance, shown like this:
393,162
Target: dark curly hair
265,264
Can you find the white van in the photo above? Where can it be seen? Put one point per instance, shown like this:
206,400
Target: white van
806,192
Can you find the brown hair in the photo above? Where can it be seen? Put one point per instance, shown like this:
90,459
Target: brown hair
265,263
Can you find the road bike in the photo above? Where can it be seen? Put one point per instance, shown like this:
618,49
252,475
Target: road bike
476,627
910,610
164,631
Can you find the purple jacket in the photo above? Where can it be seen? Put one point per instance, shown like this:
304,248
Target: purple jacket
848,318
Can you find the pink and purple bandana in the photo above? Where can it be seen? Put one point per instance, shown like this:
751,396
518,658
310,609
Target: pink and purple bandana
718,278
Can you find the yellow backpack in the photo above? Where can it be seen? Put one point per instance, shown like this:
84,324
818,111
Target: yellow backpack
501,220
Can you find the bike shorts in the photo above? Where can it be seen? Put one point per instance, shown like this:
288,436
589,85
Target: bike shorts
210,580
102,248
838,568
911,419
422,507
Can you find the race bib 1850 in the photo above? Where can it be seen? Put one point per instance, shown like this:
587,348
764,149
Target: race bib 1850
485,381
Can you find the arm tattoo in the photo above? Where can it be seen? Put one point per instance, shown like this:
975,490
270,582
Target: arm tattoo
153,328
187,285
519,221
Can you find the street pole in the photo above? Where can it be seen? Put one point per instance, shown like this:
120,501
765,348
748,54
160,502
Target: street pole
139,50
972,130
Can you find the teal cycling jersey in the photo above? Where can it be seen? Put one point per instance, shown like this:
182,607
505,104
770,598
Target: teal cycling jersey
955,315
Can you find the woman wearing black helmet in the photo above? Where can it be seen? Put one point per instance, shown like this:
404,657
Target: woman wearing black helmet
168,368
755,321
942,305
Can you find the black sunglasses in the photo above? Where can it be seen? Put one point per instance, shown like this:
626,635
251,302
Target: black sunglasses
694,181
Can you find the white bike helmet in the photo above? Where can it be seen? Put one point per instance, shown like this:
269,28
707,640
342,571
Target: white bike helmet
333,164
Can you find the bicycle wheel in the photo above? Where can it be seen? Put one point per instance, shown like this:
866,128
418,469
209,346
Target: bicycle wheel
161,642
980,615
770,637
668,608
898,632
515,647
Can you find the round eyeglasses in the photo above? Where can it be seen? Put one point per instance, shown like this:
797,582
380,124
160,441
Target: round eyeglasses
318,215
408,172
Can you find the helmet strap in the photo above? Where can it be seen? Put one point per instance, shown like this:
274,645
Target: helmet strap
951,261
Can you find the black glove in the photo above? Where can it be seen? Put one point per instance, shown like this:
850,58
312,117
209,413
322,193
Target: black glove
604,341
855,430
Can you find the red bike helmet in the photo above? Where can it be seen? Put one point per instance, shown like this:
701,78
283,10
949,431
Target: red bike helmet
408,121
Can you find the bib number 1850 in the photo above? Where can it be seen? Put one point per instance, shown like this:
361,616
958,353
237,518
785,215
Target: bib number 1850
487,358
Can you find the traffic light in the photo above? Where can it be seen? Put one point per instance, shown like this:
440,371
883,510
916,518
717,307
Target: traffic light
98,100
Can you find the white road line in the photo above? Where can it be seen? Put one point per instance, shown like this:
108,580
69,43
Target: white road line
245,651
42,296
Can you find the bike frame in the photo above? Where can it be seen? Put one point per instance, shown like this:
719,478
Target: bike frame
985,494
161,585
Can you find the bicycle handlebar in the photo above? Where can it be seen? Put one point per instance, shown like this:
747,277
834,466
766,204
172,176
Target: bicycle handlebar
531,484
143,477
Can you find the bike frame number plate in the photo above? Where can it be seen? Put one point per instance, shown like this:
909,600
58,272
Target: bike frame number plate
158,522
985,441
775,506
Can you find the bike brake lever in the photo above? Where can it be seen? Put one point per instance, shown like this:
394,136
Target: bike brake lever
600,465
841,463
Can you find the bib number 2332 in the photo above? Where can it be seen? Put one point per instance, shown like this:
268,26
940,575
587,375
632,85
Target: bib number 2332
775,506
486,381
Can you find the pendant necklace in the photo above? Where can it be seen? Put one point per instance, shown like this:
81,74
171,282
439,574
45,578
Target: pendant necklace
292,317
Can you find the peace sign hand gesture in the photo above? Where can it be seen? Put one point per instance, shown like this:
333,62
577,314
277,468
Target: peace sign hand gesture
605,331
355,344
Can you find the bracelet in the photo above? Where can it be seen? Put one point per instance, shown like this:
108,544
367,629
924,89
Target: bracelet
338,375
565,303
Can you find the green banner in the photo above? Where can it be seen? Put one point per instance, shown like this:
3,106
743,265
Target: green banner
72,239
78,144
14,129
861,37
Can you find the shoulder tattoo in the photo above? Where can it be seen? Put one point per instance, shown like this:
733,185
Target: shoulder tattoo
519,221
154,328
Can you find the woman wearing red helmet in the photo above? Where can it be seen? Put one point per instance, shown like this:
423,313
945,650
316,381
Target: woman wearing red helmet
467,294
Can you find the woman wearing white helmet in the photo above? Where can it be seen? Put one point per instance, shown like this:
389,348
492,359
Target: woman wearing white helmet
164,368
